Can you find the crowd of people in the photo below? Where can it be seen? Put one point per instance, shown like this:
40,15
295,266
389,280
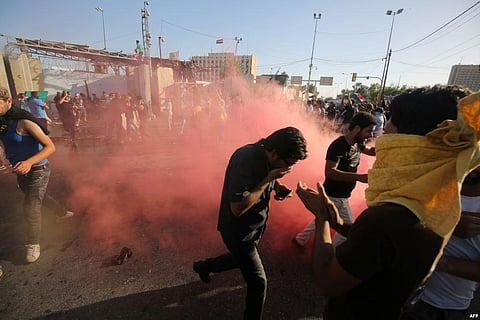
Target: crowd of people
341,111
379,267
413,207
424,186
122,116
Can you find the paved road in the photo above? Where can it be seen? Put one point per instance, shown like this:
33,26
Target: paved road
134,195
158,197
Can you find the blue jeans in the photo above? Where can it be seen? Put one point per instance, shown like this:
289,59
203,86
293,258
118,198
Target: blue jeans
34,186
244,255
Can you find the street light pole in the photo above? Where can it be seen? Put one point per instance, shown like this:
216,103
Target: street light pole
316,17
160,40
346,79
389,52
99,9
237,40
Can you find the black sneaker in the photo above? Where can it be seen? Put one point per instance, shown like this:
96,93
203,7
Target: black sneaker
201,268
125,253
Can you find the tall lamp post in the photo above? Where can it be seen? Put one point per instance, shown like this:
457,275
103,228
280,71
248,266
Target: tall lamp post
160,40
346,80
316,17
237,40
99,9
389,52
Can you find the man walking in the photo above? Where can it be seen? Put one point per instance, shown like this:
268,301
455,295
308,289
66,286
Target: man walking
413,202
25,144
251,175
341,163
38,108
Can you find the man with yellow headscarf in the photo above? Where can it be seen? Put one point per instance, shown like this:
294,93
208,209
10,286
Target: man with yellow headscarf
413,199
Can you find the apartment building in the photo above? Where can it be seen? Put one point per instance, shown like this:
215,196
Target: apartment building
216,66
465,75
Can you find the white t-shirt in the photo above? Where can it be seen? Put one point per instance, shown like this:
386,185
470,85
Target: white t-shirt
446,291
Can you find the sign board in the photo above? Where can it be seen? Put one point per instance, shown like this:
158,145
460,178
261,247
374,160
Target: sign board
42,95
174,55
296,80
326,81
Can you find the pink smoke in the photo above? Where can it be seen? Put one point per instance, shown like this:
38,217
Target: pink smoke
159,189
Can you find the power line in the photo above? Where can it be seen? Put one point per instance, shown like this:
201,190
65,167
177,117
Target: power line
440,28
459,26
456,53
190,30
349,62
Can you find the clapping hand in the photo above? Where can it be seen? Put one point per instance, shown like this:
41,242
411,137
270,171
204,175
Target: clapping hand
317,202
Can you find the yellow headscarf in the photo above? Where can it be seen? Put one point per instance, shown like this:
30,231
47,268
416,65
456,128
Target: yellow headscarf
425,173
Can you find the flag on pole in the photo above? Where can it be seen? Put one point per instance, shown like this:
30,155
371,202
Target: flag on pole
361,97
219,41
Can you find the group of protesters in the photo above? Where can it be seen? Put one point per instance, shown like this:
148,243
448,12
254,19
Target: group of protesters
386,255
121,117
339,113
416,200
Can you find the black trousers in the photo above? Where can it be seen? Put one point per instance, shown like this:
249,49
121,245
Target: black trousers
245,256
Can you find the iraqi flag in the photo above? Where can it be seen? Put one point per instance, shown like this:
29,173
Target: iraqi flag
360,97
219,41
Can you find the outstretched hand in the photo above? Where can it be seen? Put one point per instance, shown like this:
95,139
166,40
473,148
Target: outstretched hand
317,202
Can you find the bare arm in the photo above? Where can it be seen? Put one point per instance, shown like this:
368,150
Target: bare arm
239,208
332,173
370,151
27,127
350,100
459,267
331,278
3,158
467,227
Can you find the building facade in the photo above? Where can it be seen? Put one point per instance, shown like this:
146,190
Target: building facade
216,66
465,75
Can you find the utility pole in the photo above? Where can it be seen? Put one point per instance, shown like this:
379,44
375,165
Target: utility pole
316,17
160,40
388,54
237,40
99,9
146,62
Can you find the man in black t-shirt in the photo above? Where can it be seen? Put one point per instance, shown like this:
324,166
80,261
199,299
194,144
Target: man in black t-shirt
388,251
251,175
342,160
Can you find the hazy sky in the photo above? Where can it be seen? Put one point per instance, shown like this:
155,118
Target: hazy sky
352,36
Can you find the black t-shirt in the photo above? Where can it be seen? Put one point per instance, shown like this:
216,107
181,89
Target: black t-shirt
392,253
247,167
348,158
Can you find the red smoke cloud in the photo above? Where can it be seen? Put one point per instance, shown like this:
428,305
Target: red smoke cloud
163,187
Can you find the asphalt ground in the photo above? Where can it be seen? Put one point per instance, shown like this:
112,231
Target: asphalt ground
76,276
